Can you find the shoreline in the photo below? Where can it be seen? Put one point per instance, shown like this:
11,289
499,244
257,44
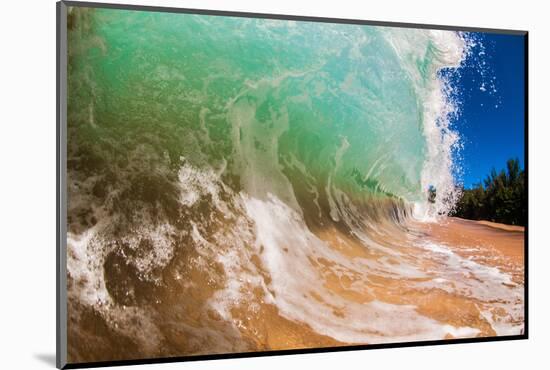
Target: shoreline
454,278
491,244
501,226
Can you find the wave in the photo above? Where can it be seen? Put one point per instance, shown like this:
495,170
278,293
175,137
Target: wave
228,173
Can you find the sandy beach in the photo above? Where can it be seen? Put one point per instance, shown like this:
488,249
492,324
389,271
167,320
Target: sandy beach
464,277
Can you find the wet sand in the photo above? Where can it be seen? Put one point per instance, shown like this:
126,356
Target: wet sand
500,245
446,301
467,276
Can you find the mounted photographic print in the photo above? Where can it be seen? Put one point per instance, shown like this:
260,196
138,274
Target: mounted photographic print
235,184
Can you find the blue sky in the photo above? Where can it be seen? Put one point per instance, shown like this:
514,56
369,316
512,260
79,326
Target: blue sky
491,122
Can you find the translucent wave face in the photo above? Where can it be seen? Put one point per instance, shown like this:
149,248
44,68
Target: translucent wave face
232,177
267,91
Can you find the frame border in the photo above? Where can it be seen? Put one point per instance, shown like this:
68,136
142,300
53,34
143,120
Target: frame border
226,13
61,186
61,193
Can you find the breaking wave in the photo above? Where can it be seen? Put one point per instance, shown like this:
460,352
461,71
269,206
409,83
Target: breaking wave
244,184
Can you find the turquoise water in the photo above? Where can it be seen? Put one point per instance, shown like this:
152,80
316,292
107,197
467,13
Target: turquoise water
220,149
279,104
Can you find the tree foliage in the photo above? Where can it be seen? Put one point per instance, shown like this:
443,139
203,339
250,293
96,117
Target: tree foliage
501,197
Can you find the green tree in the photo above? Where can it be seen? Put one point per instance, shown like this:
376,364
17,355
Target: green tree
501,197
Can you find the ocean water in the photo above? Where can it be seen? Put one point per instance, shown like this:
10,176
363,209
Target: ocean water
230,176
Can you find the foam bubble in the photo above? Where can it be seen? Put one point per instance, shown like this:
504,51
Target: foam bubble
289,247
448,50
493,288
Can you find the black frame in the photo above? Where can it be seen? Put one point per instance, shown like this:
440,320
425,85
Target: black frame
61,196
